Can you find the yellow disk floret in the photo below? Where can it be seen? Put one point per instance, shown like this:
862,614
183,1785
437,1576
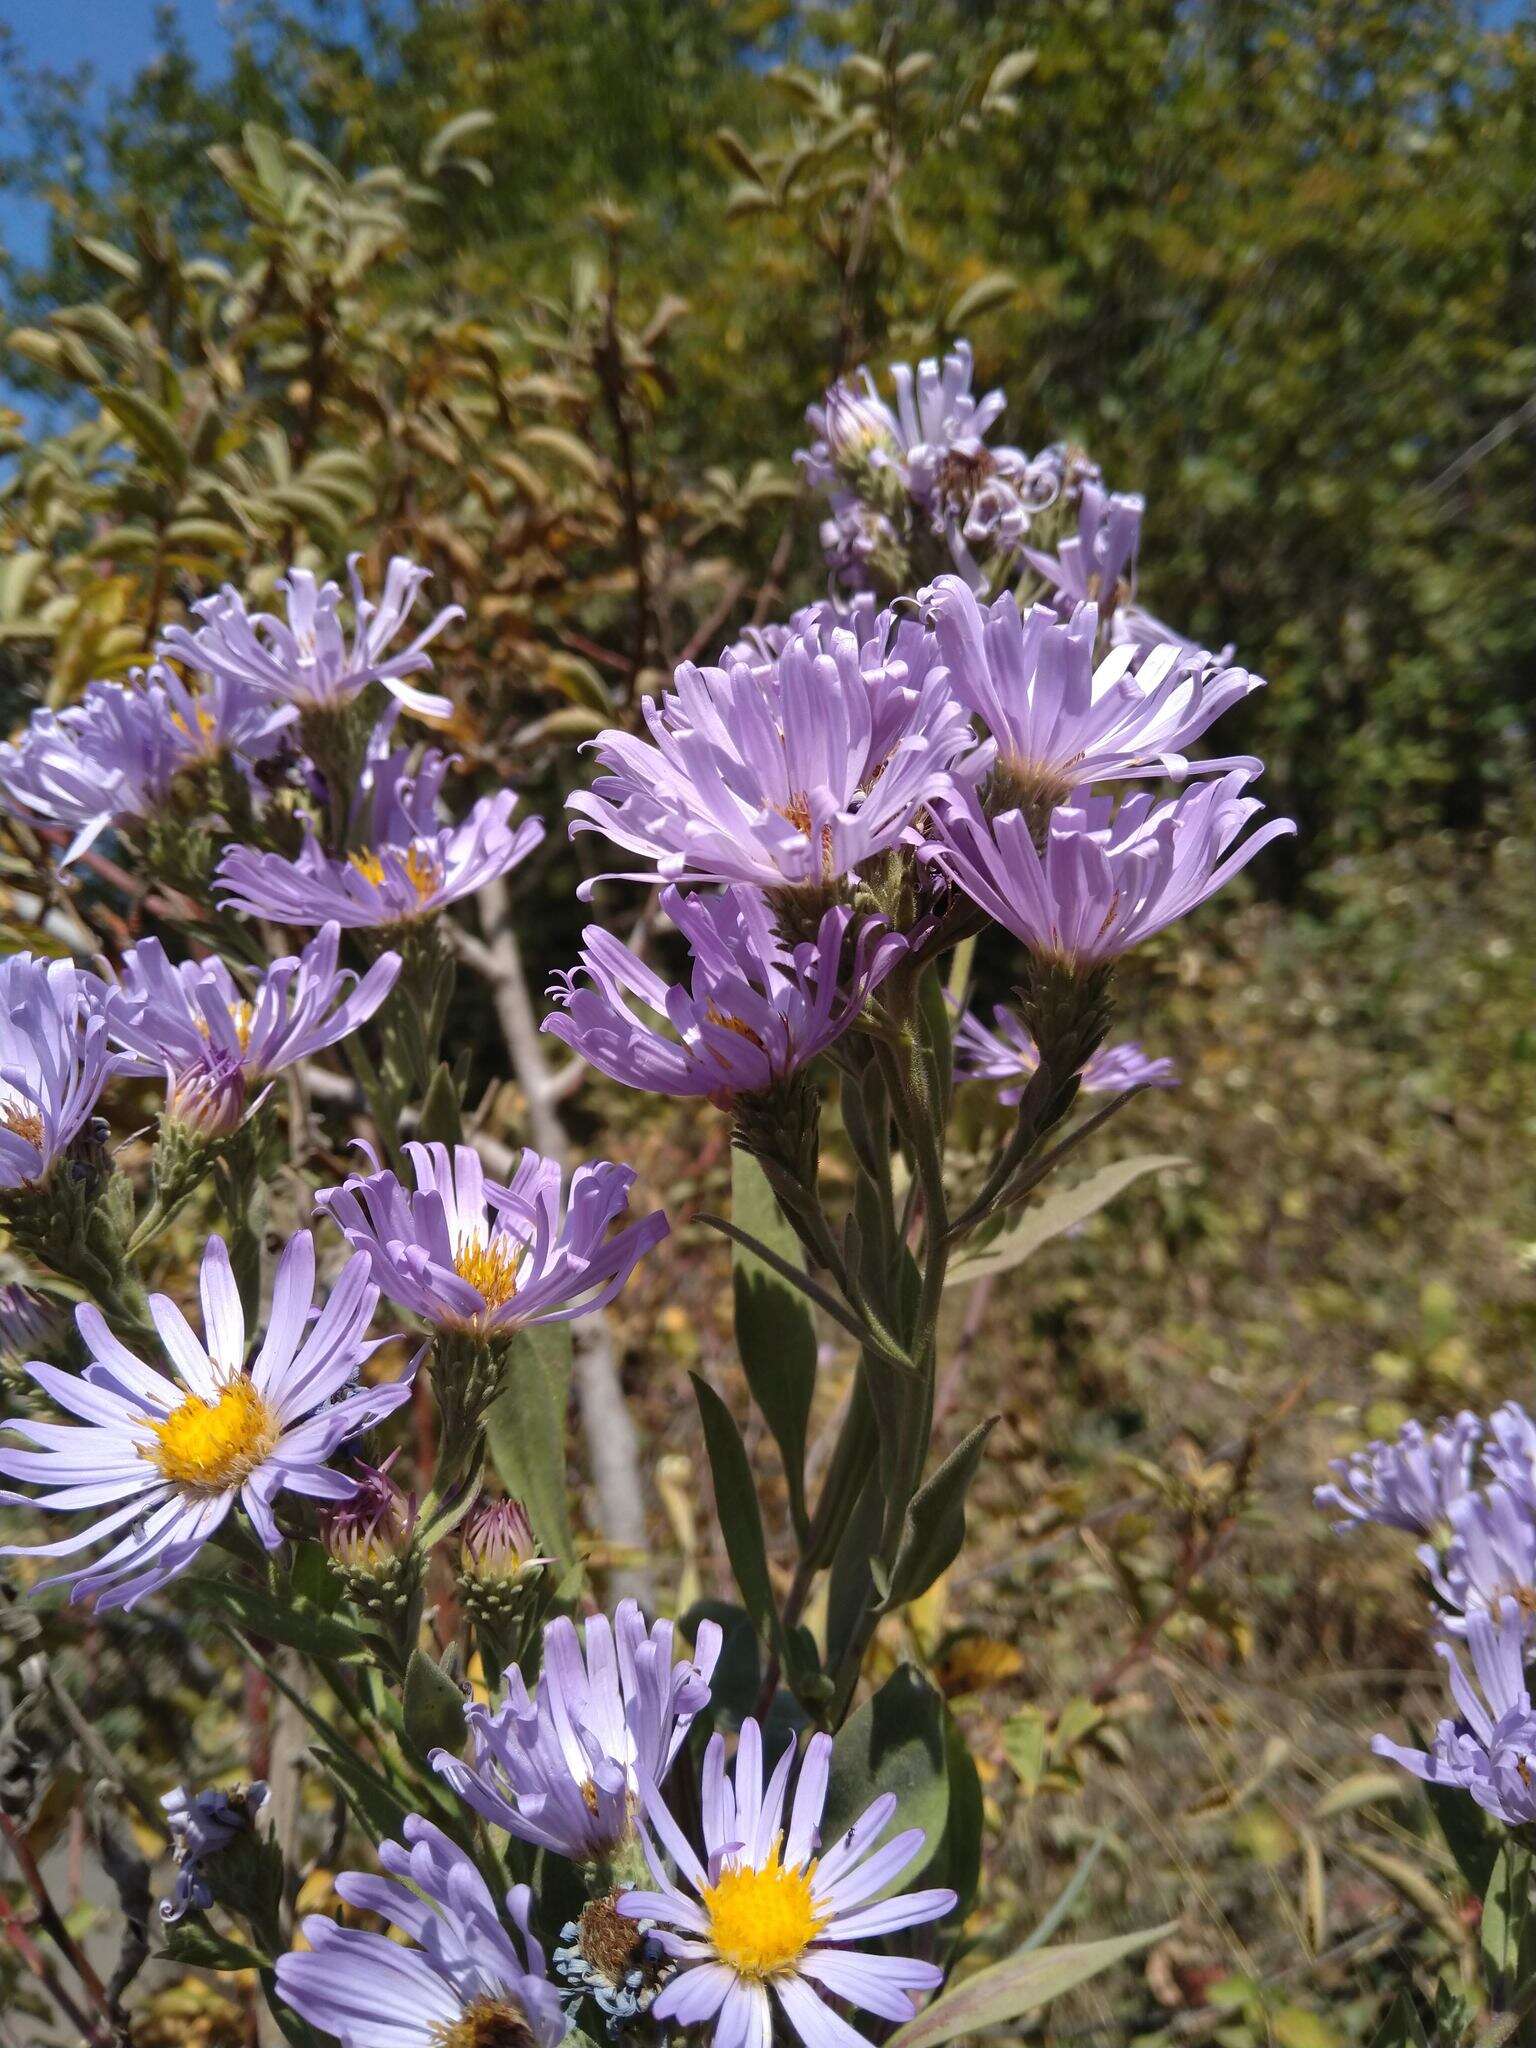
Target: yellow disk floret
491,1264
762,1921
211,1446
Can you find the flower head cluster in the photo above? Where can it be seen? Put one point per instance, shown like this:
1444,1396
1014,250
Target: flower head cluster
753,1012
169,1454
466,1983
409,866
768,1917
923,461
1060,722
196,1024
1109,876
1411,1483
465,1252
202,1825
564,1768
1489,1750
306,660
788,771
1008,1054
54,1062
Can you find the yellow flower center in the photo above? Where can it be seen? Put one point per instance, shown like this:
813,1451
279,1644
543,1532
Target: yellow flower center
421,870
486,2023
491,1264
211,1446
204,720
23,1122
717,1016
761,1921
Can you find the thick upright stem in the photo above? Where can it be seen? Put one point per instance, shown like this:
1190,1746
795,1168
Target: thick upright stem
613,1444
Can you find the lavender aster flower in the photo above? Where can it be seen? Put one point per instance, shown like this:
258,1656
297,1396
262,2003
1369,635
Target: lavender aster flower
1059,722
54,1062
201,1825
1511,1456
563,1769
29,1323
754,1010
784,775
169,1457
1490,1750
771,1916
170,1018
1490,1562
1110,876
465,1252
1409,1484
411,867
110,758
466,1983
1008,1054
307,659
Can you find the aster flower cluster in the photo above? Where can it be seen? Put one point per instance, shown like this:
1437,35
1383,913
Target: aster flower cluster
1478,1555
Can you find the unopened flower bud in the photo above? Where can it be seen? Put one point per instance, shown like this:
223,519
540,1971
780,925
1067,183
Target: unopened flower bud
498,1544
208,1099
370,1541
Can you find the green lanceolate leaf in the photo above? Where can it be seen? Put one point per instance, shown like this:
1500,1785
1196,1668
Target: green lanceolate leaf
896,1742
1056,1214
152,431
434,1707
1506,1929
289,1622
525,1432
775,1329
440,1122
736,1504
935,1524
1022,1984
195,1943
1472,1838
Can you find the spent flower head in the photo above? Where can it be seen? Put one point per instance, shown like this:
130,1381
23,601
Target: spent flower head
203,1825
1008,1054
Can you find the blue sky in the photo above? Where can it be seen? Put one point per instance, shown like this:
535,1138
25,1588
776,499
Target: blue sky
113,37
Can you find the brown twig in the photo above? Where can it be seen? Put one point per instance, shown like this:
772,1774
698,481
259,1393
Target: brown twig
33,1959
50,1918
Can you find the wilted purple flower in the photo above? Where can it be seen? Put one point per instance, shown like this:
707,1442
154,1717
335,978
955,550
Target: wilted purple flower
1511,1455
857,540
1411,1483
782,775
54,1062
1490,1751
466,1984
202,1824
1489,1563
1110,876
170,1018
411,867
307,659
1059,723
754,1010
1097,564
855,430
772,1912
1009,1054
563,1769
170,1457
465,1252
